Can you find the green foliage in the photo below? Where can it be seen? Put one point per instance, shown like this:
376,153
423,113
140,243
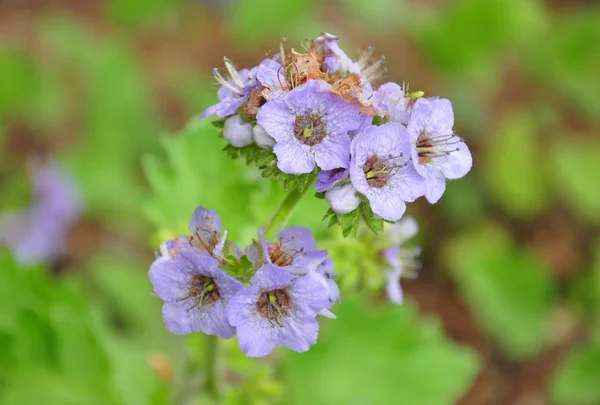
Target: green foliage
379,355
272,19
508,289
567,58
196,173
49,340
514,167
576,379
468,33
136,11
575,168
20,80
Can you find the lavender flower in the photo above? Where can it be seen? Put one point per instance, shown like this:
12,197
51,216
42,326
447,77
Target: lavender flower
237,132
270,75
196,292
278,308
329,178
310,126
343,198
400,260
437,153
38,233
205,227
393,103
294,250
234,90
380,169
335,58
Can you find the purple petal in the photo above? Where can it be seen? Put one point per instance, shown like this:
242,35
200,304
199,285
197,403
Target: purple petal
293,157
329,178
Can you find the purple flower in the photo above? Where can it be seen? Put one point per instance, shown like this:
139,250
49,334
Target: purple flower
38,233
237,132
380,169
271,76
310,126
196,292
329,178
400,260
437,153
342,198
278,308
294,250
391,100
335,58
205,227
234,90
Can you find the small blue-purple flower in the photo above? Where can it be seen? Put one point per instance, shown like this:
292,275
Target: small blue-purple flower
278,308
271,75
335,57
437,153
329,178
294,250
234,91
400,259
381,170
310,126
38,234
392,102
196,293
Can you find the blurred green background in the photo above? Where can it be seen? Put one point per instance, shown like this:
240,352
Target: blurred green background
505,309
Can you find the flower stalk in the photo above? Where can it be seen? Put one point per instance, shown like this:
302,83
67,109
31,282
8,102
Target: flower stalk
282,214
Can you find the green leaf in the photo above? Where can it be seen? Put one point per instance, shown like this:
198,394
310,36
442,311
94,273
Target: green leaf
575,170
249,21
379,355
194,173
508,289
576,379
514,167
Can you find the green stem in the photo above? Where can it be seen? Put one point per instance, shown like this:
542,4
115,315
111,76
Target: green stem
211,379
282,213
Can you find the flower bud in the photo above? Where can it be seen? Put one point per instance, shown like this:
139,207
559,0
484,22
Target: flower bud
261,138
343,199
237,131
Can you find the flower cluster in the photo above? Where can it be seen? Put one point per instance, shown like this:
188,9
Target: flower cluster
373,146
206,285
38,233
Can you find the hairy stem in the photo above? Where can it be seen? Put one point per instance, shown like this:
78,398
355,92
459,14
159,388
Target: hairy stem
211,378
284,210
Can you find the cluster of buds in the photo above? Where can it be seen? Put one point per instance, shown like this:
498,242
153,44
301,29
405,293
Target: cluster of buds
373,148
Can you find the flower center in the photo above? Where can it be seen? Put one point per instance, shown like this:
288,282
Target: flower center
430,147
279,255
203,291
309,129
274,305
378,171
